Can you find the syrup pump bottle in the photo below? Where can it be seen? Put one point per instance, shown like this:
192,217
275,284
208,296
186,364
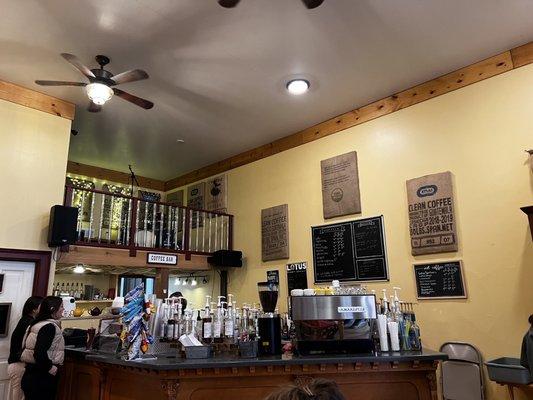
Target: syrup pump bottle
229,320
218,321
207,322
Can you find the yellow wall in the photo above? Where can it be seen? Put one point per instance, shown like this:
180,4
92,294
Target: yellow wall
479,133
33,161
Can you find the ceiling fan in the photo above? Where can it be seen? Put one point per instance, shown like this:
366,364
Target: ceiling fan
310,4
99,89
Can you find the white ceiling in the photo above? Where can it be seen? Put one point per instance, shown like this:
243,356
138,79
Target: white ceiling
218,75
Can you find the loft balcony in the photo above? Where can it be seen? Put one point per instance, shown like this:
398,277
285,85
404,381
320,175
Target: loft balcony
118,221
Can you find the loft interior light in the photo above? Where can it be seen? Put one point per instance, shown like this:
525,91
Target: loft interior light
205,280
194,282
79,269
298,86
99,93
177,282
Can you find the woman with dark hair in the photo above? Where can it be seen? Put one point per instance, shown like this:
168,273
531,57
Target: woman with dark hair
44,351
183,300
318,389
15,369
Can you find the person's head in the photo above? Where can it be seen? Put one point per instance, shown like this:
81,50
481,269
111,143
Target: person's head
531,320
51,308
31,306
183,300
318,389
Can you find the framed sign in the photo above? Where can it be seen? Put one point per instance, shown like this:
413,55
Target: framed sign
340,185
162,258
350,251
432,223
273,276
216,198
275,233
440,280
297,276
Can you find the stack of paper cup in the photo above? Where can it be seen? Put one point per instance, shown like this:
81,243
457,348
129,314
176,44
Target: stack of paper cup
394,338
382,330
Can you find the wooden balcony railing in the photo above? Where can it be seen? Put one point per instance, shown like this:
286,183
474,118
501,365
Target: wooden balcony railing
114,220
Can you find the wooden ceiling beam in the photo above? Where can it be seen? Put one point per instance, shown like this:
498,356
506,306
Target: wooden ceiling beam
113,176
476,72
36,100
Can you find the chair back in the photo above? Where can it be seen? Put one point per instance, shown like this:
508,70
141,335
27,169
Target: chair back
462,373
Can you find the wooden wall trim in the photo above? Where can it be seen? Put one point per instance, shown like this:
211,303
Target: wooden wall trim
113,176
36,100
476,72
42,260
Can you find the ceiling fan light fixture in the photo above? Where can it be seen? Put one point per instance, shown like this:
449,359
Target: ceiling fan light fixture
99,93
298,86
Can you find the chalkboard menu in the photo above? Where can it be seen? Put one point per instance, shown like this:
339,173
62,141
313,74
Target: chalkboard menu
350,251
440,280
297,276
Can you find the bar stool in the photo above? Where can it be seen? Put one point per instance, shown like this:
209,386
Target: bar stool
462,373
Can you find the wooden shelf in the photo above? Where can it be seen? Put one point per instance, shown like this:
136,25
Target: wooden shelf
529,212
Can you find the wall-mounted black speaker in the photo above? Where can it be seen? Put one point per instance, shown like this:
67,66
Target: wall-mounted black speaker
226,258
62,228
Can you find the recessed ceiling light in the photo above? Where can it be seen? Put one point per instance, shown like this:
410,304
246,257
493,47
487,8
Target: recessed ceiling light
180,140
298,86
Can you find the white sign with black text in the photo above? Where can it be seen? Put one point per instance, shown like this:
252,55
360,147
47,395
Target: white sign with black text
166,259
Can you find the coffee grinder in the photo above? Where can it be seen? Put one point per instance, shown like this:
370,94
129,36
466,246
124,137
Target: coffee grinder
269,324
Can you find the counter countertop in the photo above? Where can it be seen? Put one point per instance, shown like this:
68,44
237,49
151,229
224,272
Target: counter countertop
166,362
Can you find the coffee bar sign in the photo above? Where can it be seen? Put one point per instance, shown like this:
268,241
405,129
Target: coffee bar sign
161,258
432,223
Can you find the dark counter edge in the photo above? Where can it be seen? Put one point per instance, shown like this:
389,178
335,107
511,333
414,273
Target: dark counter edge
165,363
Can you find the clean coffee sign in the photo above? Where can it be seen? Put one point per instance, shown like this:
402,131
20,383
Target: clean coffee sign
432,223
158,258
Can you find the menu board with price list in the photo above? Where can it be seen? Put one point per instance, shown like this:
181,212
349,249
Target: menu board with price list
440,280
350,251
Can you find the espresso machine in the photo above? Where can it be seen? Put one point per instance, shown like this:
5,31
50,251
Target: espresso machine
334,324
269,324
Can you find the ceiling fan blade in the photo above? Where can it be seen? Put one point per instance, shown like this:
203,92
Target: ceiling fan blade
228,3
133,99
59,83
310,4
71,58
130,76
94,108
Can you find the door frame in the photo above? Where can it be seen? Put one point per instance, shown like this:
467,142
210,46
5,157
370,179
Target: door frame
42,260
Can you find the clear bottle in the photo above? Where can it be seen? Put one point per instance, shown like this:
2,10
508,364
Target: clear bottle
198,325
207,334
229,320
414,335
218,322
171,324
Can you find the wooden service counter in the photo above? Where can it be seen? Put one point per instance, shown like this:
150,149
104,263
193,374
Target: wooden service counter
91,376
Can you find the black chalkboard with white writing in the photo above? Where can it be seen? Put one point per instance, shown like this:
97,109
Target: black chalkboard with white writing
350,251
440,280
297,276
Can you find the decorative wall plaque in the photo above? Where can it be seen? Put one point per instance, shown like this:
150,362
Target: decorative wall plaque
340,185
196,195
431,214
196,199
275,233
175,198
216,198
